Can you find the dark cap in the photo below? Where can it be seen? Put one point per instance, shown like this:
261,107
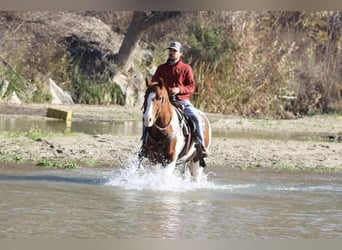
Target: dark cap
176,46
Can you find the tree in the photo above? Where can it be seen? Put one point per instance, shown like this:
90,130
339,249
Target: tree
141,21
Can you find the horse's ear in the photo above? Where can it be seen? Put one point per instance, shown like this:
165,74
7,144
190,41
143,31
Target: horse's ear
161,82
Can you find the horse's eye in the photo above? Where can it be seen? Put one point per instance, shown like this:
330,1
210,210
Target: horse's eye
159,98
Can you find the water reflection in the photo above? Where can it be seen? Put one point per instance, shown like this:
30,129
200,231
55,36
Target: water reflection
81,126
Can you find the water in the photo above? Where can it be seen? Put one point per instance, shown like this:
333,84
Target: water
82,126
135,127
141,203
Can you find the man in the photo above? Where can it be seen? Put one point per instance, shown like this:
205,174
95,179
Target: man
178,78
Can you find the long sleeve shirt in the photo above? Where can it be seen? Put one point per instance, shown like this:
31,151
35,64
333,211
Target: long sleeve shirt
178,75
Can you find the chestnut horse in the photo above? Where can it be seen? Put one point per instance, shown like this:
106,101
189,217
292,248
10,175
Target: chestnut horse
168,139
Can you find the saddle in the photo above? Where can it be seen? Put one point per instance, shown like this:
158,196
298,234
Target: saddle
189,131
188,125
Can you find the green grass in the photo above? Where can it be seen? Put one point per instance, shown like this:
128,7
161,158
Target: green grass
34,134
57,164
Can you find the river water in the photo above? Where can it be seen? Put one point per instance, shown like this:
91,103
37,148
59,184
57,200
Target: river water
141,203
134,128
146,203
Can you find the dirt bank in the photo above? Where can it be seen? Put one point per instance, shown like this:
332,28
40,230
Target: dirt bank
110,150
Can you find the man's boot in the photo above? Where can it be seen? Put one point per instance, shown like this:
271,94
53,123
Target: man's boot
205,153
199,149
200,155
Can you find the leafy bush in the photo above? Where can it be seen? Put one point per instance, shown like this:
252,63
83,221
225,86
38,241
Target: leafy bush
211,54
210,44
285,64
15,83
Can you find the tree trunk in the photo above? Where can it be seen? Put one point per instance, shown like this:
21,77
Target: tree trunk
140,21
130,41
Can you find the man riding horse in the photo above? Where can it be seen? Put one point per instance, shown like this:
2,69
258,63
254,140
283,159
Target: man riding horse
178,78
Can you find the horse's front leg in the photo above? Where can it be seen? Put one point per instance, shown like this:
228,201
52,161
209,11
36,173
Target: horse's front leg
170,163
169,170
169,154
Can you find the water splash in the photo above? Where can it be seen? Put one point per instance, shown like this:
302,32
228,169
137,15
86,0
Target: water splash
135,177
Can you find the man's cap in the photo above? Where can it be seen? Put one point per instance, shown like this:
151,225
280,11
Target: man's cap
176,46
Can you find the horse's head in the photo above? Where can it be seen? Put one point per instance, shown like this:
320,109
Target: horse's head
156,101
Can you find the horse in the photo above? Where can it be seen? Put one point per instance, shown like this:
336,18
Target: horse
168,138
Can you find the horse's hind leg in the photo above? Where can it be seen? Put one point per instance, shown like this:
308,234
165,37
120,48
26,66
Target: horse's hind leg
196,171
186,171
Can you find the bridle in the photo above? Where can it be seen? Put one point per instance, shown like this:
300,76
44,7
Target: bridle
157,114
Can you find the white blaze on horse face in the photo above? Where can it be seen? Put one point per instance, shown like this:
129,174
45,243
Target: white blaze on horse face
148,115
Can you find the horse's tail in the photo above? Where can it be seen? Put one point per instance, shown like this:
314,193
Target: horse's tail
207,130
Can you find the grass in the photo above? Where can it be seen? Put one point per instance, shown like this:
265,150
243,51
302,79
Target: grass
35,133
57,164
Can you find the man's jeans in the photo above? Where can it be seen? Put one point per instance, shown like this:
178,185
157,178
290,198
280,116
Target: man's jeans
192,112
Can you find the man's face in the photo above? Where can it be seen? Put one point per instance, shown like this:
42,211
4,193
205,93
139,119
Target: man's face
174,55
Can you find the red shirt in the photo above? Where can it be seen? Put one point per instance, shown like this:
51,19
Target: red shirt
178,75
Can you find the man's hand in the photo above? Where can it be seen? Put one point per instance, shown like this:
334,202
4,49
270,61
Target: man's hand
175,90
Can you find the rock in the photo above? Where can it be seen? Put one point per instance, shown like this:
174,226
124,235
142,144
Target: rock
58,95
14,99
131,87
4,85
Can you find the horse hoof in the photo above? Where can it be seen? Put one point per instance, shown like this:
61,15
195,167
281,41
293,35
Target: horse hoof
202,163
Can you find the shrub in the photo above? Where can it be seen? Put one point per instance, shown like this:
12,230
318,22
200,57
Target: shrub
211,53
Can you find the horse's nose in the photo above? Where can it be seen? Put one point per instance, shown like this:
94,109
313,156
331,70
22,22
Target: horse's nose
147,121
